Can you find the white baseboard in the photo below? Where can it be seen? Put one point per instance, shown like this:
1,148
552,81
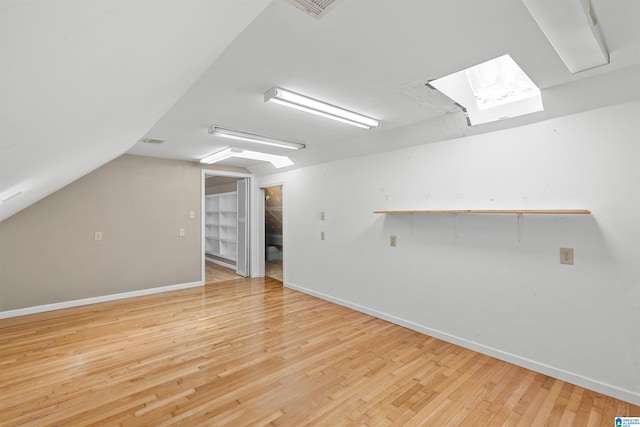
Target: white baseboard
220,262
570,377
94,300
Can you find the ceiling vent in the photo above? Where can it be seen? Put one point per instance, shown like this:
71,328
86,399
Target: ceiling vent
153,141
315,8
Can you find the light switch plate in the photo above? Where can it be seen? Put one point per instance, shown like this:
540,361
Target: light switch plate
181,232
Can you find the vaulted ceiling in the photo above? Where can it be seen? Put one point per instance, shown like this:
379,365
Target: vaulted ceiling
84,82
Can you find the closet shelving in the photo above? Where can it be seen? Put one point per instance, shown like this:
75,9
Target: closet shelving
221,223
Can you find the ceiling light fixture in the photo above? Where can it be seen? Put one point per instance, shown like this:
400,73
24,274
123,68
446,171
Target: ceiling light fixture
229,152
573,30
255,138
304,103
4,199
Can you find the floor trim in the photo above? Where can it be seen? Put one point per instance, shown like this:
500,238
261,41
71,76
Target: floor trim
220,262
570,377
94,300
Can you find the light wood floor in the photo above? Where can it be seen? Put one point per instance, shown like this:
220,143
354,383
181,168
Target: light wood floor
273,269
215,273
250,352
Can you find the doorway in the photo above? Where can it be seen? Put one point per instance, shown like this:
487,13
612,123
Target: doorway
273,232
225,218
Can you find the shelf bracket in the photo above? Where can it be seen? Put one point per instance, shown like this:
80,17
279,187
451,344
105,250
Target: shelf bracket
519,225
455,225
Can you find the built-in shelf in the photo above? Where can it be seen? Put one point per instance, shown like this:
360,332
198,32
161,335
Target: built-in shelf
221,223
490,211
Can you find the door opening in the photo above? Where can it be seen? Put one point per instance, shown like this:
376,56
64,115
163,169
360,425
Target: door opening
225,227
273,232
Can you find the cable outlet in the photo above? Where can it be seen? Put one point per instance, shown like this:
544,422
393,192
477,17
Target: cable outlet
566,256
393,240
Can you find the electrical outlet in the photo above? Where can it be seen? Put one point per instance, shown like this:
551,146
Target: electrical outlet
321,216
566,256
192,214
393,240
322,235
97,235
181,232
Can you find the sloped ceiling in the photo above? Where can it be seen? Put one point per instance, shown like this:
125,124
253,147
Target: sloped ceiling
361,54
84,81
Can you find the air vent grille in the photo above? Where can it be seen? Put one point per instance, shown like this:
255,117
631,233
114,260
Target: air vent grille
315,8
152,141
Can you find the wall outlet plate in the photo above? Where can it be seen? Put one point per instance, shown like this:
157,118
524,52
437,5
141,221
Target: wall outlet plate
322,235
393,240
566,256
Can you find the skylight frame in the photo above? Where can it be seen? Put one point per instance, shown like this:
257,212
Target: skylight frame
458,87
277,161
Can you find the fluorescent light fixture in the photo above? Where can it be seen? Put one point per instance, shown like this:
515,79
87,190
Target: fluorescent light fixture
229,152
304,103
572,29
6,197
254,138
494,90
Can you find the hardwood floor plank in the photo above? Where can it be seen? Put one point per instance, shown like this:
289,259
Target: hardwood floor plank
560,405
215,273
250,352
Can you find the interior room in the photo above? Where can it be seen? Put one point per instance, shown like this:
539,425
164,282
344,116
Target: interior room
320,212
220,228
273,232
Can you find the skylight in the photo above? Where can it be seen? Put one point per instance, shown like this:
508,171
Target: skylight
229,152
494,90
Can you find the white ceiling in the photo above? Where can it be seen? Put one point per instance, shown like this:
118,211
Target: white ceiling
93,78
83,80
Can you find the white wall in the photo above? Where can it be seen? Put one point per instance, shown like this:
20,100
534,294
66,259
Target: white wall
469,279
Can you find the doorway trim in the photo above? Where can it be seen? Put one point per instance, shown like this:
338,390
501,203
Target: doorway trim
250,217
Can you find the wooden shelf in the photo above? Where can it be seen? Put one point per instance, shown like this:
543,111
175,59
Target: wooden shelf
491,212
